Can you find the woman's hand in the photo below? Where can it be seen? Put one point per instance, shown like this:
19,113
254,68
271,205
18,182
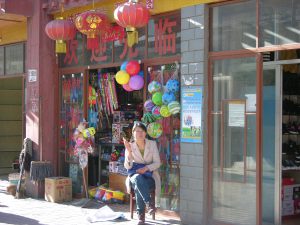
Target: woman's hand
142,170
127,146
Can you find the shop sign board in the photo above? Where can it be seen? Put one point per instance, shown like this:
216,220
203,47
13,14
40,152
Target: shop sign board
164,36
191,104
163,40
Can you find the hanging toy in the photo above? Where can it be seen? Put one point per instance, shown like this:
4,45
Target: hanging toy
168,97
148,118
174,107
172,85
164,111
148,105
92,96
156,112
154,130
154,86
89,132
157,98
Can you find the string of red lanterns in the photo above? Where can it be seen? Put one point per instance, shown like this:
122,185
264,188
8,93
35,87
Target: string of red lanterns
93,24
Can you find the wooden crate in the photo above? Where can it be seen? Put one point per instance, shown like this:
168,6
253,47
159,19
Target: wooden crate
117,182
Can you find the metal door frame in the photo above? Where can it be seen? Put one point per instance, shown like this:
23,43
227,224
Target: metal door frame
277,65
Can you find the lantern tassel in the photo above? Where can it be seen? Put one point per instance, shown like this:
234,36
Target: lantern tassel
132,36
60,46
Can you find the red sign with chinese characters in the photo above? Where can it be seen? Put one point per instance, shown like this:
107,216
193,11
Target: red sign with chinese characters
114,34
165,38
162,40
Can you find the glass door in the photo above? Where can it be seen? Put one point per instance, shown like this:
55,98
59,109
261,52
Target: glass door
233,151
271,150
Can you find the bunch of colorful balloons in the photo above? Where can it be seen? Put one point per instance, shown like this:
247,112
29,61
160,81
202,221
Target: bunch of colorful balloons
130,76
163,103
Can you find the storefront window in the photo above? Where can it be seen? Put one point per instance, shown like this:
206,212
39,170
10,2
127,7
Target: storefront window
234,26
71,113
14,59
234,141
279,22
168,142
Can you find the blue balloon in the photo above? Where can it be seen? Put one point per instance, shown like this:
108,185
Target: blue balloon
141,73
123,66
168,97
172,85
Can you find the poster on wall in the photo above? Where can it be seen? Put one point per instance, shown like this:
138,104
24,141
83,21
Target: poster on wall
191,129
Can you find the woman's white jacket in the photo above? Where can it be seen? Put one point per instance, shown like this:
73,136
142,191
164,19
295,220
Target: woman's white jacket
151,159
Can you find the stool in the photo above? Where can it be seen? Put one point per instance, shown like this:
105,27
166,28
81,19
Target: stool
132,201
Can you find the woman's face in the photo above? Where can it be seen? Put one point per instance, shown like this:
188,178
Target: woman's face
139,134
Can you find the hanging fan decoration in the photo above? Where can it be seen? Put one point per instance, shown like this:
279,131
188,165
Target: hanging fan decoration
92,23
60,30
132,15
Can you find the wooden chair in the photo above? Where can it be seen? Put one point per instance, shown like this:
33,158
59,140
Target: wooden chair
132,202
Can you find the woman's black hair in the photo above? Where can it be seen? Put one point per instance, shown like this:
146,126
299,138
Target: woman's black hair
140,125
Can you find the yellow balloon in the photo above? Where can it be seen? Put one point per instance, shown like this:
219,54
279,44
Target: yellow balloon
122,77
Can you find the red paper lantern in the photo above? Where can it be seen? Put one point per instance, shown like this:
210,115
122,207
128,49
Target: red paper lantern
60,30
131,15
91,23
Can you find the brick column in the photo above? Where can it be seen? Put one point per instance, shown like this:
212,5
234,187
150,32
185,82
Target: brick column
191,157
41,93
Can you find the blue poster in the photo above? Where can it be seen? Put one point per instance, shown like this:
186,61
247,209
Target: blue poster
191,101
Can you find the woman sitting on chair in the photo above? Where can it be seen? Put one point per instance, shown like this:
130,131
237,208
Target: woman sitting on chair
142,162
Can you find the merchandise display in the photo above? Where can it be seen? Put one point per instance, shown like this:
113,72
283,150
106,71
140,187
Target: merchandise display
116,108
290,145
163,125
114,101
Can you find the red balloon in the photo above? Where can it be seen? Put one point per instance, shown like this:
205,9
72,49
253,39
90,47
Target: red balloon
133,68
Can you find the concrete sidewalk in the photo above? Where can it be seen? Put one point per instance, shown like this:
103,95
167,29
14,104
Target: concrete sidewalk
30,211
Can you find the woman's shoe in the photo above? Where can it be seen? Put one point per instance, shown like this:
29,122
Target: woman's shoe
141,219
151,209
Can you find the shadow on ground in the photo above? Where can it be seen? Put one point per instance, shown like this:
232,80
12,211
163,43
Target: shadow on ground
9,218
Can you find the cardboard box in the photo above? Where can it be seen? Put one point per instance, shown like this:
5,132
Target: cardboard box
58,189
117,182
